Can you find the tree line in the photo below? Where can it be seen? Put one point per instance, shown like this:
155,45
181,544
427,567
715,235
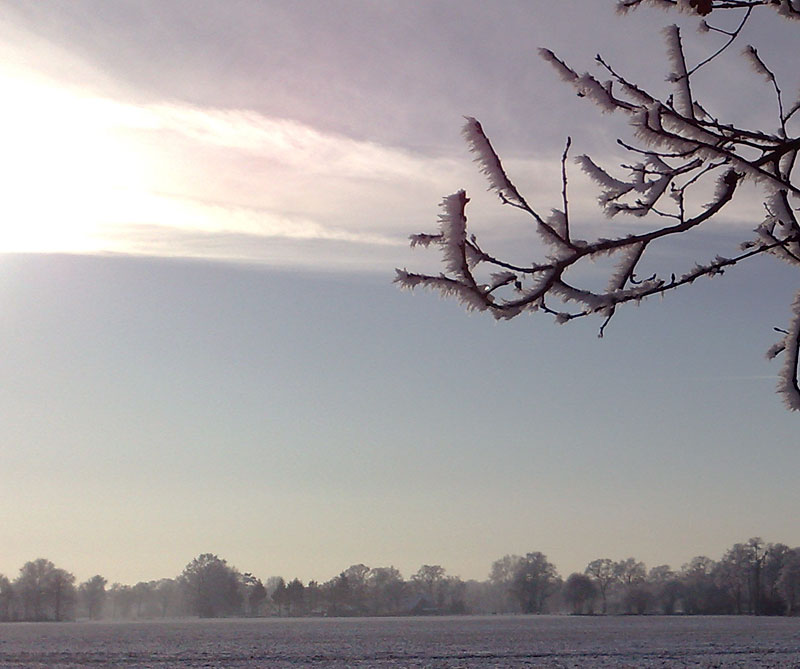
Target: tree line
754,577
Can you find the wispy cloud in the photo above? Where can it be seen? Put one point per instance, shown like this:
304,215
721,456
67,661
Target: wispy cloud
84,170
87,171
81,172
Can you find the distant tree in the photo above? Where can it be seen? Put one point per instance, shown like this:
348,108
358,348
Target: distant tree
638,597
535,579
501,577
313,597
254,593
630,574
772,601
604,573
31,584
700,591
295,597
46,592
166,594
430,581
788,583
62,587
428,578
681,153
734,573
211,587
339,595
758,553
502,571
6,599
92,595
579,593
386,589
665,588
630,571
451,596
121,597
144,600
277,593
357,582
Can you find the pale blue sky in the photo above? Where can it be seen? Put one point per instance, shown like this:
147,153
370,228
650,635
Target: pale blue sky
202,349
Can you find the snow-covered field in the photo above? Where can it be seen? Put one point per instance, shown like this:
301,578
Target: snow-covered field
496,641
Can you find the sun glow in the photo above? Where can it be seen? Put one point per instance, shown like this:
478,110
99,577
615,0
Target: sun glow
68,169
88,174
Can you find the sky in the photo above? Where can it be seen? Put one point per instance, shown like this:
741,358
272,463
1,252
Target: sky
202,350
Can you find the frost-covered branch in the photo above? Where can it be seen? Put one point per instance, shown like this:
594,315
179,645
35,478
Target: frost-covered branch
687,167
788,8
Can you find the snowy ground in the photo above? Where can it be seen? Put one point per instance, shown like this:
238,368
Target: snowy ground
497,641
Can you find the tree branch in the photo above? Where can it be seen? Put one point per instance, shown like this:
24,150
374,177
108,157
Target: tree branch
681,149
